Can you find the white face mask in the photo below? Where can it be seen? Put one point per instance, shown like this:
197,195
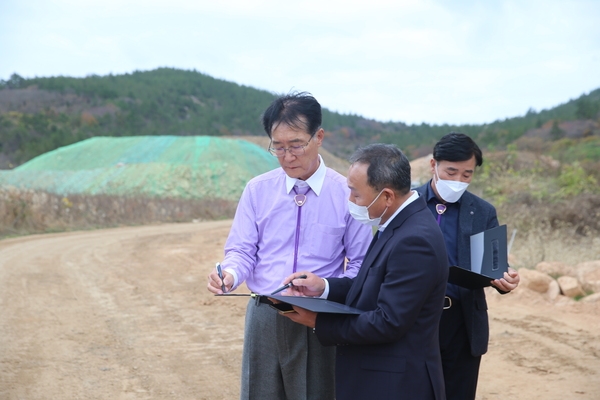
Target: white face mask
449,191
361,213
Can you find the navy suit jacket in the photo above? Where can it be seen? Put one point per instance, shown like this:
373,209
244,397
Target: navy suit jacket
391,351
475,215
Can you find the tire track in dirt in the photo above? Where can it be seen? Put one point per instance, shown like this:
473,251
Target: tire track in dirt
124,314
115,314
539,352
555,347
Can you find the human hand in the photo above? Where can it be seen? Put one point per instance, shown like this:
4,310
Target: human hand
302,316
312,285
509,282
215,283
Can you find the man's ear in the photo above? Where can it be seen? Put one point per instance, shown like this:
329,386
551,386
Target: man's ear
390,196
320,135
432,165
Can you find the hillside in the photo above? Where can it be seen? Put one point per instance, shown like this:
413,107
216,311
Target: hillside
191,167
541,170
42,114
108,181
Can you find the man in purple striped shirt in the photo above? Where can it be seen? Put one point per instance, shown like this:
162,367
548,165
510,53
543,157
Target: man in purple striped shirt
292,218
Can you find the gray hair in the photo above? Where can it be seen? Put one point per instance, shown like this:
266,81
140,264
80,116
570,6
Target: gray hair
388,166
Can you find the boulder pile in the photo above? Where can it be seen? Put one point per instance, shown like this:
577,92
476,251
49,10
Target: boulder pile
557,281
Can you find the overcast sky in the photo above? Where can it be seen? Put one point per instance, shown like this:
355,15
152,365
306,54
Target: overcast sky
444,61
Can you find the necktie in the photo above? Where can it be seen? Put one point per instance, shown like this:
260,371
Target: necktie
440,209
375,237
300,200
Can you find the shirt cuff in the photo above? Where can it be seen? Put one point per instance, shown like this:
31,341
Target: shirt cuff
235,278
326,291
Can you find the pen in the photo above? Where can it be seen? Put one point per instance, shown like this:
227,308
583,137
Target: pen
288,285
220,272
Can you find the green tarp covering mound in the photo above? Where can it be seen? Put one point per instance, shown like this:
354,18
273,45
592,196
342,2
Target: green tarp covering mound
187,167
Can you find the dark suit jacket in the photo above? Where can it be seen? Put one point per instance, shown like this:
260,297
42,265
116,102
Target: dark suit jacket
475,215
391,351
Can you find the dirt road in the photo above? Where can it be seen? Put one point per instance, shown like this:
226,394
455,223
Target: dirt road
124,314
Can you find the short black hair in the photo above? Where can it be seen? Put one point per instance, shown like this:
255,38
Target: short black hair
388,166
299,110
457,147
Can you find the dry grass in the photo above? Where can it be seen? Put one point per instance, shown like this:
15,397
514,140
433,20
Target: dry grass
566,231
554,207
26,211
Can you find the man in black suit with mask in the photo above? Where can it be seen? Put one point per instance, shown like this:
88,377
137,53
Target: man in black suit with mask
464,327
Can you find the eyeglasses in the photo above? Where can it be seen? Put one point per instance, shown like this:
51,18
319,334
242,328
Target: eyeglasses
294,150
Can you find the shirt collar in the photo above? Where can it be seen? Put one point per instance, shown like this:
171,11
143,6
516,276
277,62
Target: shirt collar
315,181
412,198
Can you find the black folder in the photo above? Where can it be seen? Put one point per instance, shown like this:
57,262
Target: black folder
317,305
310,303
489,260
468,279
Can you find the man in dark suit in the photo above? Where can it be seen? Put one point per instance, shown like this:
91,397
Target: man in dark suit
464,328
391,350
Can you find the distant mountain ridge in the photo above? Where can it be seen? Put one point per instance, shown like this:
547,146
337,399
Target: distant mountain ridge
41,114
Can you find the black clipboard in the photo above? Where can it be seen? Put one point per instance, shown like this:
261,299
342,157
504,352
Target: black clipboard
489,260
468,279
314,304
317,305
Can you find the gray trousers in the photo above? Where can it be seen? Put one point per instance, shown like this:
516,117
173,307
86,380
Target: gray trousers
283,360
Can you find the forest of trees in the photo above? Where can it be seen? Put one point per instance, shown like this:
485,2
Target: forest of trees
41,114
